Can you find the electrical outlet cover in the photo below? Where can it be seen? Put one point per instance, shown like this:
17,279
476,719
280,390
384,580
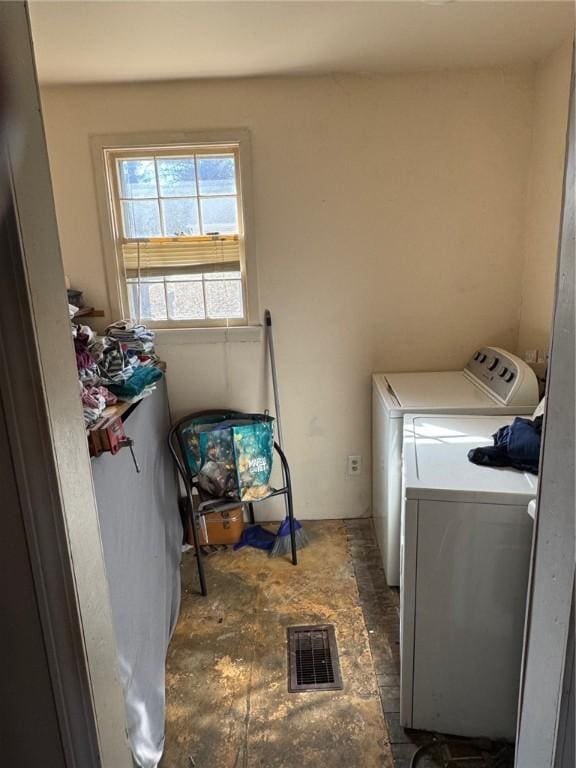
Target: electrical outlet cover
354,466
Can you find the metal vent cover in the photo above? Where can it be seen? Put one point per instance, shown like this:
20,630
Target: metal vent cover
313,663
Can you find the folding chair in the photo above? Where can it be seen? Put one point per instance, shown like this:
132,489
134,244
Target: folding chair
210,503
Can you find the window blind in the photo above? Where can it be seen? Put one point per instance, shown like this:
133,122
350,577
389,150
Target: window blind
161,256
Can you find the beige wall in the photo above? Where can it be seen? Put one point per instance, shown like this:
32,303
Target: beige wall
389,233
552,87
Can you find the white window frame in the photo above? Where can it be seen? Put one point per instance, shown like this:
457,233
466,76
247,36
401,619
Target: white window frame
105,146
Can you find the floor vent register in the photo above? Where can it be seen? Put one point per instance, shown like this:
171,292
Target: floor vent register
313,663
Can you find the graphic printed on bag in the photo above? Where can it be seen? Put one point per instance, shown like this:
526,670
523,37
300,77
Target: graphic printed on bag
232,457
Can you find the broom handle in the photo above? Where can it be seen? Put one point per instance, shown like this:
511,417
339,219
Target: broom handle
268,322
270,338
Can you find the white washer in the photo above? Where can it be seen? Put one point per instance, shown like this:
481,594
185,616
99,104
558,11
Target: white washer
494,381
466,541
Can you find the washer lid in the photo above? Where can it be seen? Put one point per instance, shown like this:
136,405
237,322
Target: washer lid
436,464
445,391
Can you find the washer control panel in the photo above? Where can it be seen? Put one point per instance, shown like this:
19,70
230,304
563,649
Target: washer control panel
508,378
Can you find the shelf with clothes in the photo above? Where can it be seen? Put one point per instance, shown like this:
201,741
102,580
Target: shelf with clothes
119,366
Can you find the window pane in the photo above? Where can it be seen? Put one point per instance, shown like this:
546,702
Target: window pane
185,300
181,216
216,175
152,300
219,215
138,178
224,299
177,176
141,218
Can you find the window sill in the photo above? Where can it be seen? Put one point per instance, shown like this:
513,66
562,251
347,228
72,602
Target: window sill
238,333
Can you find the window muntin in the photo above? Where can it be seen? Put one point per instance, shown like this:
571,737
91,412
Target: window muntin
180,234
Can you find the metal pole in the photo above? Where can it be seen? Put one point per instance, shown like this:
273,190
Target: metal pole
270,339
285,476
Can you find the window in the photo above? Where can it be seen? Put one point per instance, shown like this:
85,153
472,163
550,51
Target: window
178,231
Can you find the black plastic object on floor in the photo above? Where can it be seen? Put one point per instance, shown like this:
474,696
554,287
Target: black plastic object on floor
465,753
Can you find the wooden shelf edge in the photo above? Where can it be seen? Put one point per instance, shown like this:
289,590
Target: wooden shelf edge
88,312
121,408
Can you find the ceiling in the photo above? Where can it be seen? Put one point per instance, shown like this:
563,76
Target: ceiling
108,41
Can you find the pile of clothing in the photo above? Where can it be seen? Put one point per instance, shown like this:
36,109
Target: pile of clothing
120,365
135,339
94,400
516,445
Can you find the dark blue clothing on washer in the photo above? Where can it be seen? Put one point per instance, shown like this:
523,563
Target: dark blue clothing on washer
516,445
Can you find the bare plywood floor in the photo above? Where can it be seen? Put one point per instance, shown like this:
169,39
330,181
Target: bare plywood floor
227,699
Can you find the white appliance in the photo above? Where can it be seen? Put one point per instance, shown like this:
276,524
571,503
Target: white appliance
494,381
466,541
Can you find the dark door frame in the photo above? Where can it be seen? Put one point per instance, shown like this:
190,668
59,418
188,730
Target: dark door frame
49,463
